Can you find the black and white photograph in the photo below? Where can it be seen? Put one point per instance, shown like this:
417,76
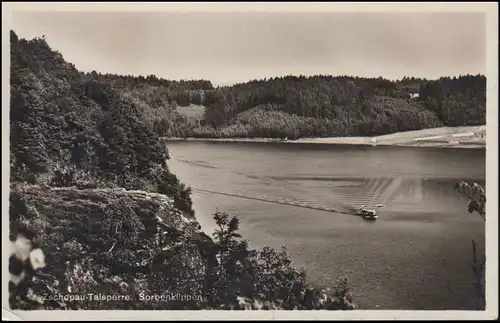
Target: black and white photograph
260,161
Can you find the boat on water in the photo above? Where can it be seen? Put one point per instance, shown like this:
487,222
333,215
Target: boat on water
367,214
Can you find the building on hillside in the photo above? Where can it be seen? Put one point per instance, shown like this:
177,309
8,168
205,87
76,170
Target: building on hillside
413,91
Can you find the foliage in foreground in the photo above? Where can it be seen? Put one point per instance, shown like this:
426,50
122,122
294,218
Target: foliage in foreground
477,205
131,257
266,279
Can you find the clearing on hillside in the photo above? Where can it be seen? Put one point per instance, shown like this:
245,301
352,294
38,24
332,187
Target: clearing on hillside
192,111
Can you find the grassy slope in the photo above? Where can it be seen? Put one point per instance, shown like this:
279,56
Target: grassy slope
192,111
442,137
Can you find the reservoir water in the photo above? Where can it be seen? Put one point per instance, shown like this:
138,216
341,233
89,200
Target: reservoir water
416,256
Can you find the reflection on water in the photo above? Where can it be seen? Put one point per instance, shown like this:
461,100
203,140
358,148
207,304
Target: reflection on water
404,260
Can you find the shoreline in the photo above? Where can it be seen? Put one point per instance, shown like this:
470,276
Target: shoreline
470,137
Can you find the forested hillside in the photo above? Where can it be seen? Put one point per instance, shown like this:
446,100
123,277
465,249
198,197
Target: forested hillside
294,107
299,106
91,190
327,106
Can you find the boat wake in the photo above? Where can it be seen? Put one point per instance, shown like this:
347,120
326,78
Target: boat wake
347,198
282,201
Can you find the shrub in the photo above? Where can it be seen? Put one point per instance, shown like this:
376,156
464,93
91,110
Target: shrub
477,204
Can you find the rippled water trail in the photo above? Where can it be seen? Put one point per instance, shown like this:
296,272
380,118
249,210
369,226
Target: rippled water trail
415,256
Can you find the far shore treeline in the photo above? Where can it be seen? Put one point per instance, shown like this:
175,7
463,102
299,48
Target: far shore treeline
298,106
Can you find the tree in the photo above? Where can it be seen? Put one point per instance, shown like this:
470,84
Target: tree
266,278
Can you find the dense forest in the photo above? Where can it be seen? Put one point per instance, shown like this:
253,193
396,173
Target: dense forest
327,106
299,106
90,190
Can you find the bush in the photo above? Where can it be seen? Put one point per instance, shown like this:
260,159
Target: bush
242,278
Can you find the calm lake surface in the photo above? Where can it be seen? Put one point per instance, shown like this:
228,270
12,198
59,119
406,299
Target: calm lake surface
416,256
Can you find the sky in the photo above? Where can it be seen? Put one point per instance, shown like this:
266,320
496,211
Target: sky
228,48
